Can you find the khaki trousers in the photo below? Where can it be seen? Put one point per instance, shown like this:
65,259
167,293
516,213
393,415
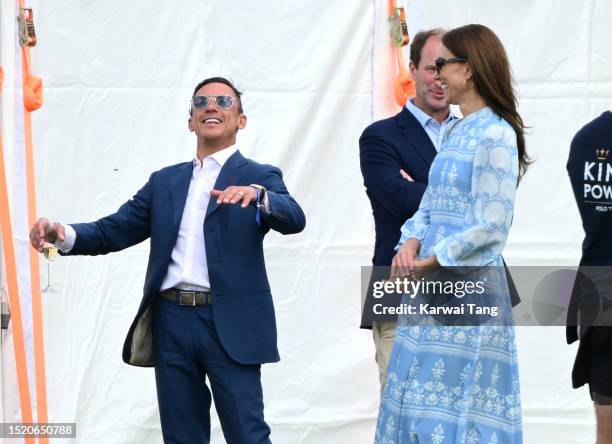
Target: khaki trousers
384,335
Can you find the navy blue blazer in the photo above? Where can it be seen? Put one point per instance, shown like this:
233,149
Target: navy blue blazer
385,147
242,302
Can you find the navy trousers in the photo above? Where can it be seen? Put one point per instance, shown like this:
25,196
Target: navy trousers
187,351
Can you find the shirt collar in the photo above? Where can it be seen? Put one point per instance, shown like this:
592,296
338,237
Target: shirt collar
220,156
422,117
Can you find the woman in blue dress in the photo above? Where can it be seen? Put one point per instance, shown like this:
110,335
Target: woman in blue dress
450,383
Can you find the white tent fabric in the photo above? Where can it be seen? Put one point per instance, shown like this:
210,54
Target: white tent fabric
118,76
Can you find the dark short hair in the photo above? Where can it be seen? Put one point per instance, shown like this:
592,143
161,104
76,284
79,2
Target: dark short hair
419,40
219,80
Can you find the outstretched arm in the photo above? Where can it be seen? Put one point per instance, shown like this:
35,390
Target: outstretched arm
129,226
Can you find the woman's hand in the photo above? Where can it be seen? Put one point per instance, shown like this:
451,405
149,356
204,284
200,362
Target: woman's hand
405,259
421,266
431,261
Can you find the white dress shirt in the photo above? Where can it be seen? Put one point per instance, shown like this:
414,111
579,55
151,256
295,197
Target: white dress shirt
188,269
432,127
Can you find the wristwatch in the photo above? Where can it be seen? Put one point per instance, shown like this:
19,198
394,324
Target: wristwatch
262,193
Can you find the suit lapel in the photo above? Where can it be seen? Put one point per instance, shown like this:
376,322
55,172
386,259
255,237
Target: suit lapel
179,187
416,136
228,176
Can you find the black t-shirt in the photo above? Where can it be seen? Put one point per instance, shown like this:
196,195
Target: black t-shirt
590,170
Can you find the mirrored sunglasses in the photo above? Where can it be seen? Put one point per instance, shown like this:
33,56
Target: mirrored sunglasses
202,102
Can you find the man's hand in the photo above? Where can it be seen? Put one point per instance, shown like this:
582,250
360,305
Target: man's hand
44,231
404,261
234,194
406,176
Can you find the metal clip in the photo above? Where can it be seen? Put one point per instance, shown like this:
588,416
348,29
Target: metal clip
25,23
399,28
5,313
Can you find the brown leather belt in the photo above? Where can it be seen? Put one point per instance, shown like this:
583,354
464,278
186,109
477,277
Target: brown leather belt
188,298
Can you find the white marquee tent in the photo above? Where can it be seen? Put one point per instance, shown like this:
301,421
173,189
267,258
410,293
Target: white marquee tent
117,78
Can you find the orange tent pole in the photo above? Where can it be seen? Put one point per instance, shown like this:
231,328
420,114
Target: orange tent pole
13,295
37,320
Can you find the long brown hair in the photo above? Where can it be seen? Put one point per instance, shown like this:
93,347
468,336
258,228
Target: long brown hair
491,76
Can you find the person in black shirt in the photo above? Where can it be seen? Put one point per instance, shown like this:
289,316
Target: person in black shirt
590,171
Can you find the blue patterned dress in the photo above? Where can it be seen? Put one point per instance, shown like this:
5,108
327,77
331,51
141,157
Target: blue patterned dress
459,384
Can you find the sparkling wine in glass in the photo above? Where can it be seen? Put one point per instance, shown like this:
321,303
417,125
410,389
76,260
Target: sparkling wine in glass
50,253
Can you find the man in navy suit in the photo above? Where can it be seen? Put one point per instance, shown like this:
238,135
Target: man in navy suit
207,311
395,155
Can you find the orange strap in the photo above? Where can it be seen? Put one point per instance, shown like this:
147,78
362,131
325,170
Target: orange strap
32,85
10,261
37,319
33,100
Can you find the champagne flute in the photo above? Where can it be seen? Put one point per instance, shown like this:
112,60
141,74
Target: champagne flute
50,253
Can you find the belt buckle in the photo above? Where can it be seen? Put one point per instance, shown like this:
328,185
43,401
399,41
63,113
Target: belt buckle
193,300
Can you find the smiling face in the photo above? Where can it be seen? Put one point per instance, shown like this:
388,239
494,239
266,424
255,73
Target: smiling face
216,128
455,78
429,93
